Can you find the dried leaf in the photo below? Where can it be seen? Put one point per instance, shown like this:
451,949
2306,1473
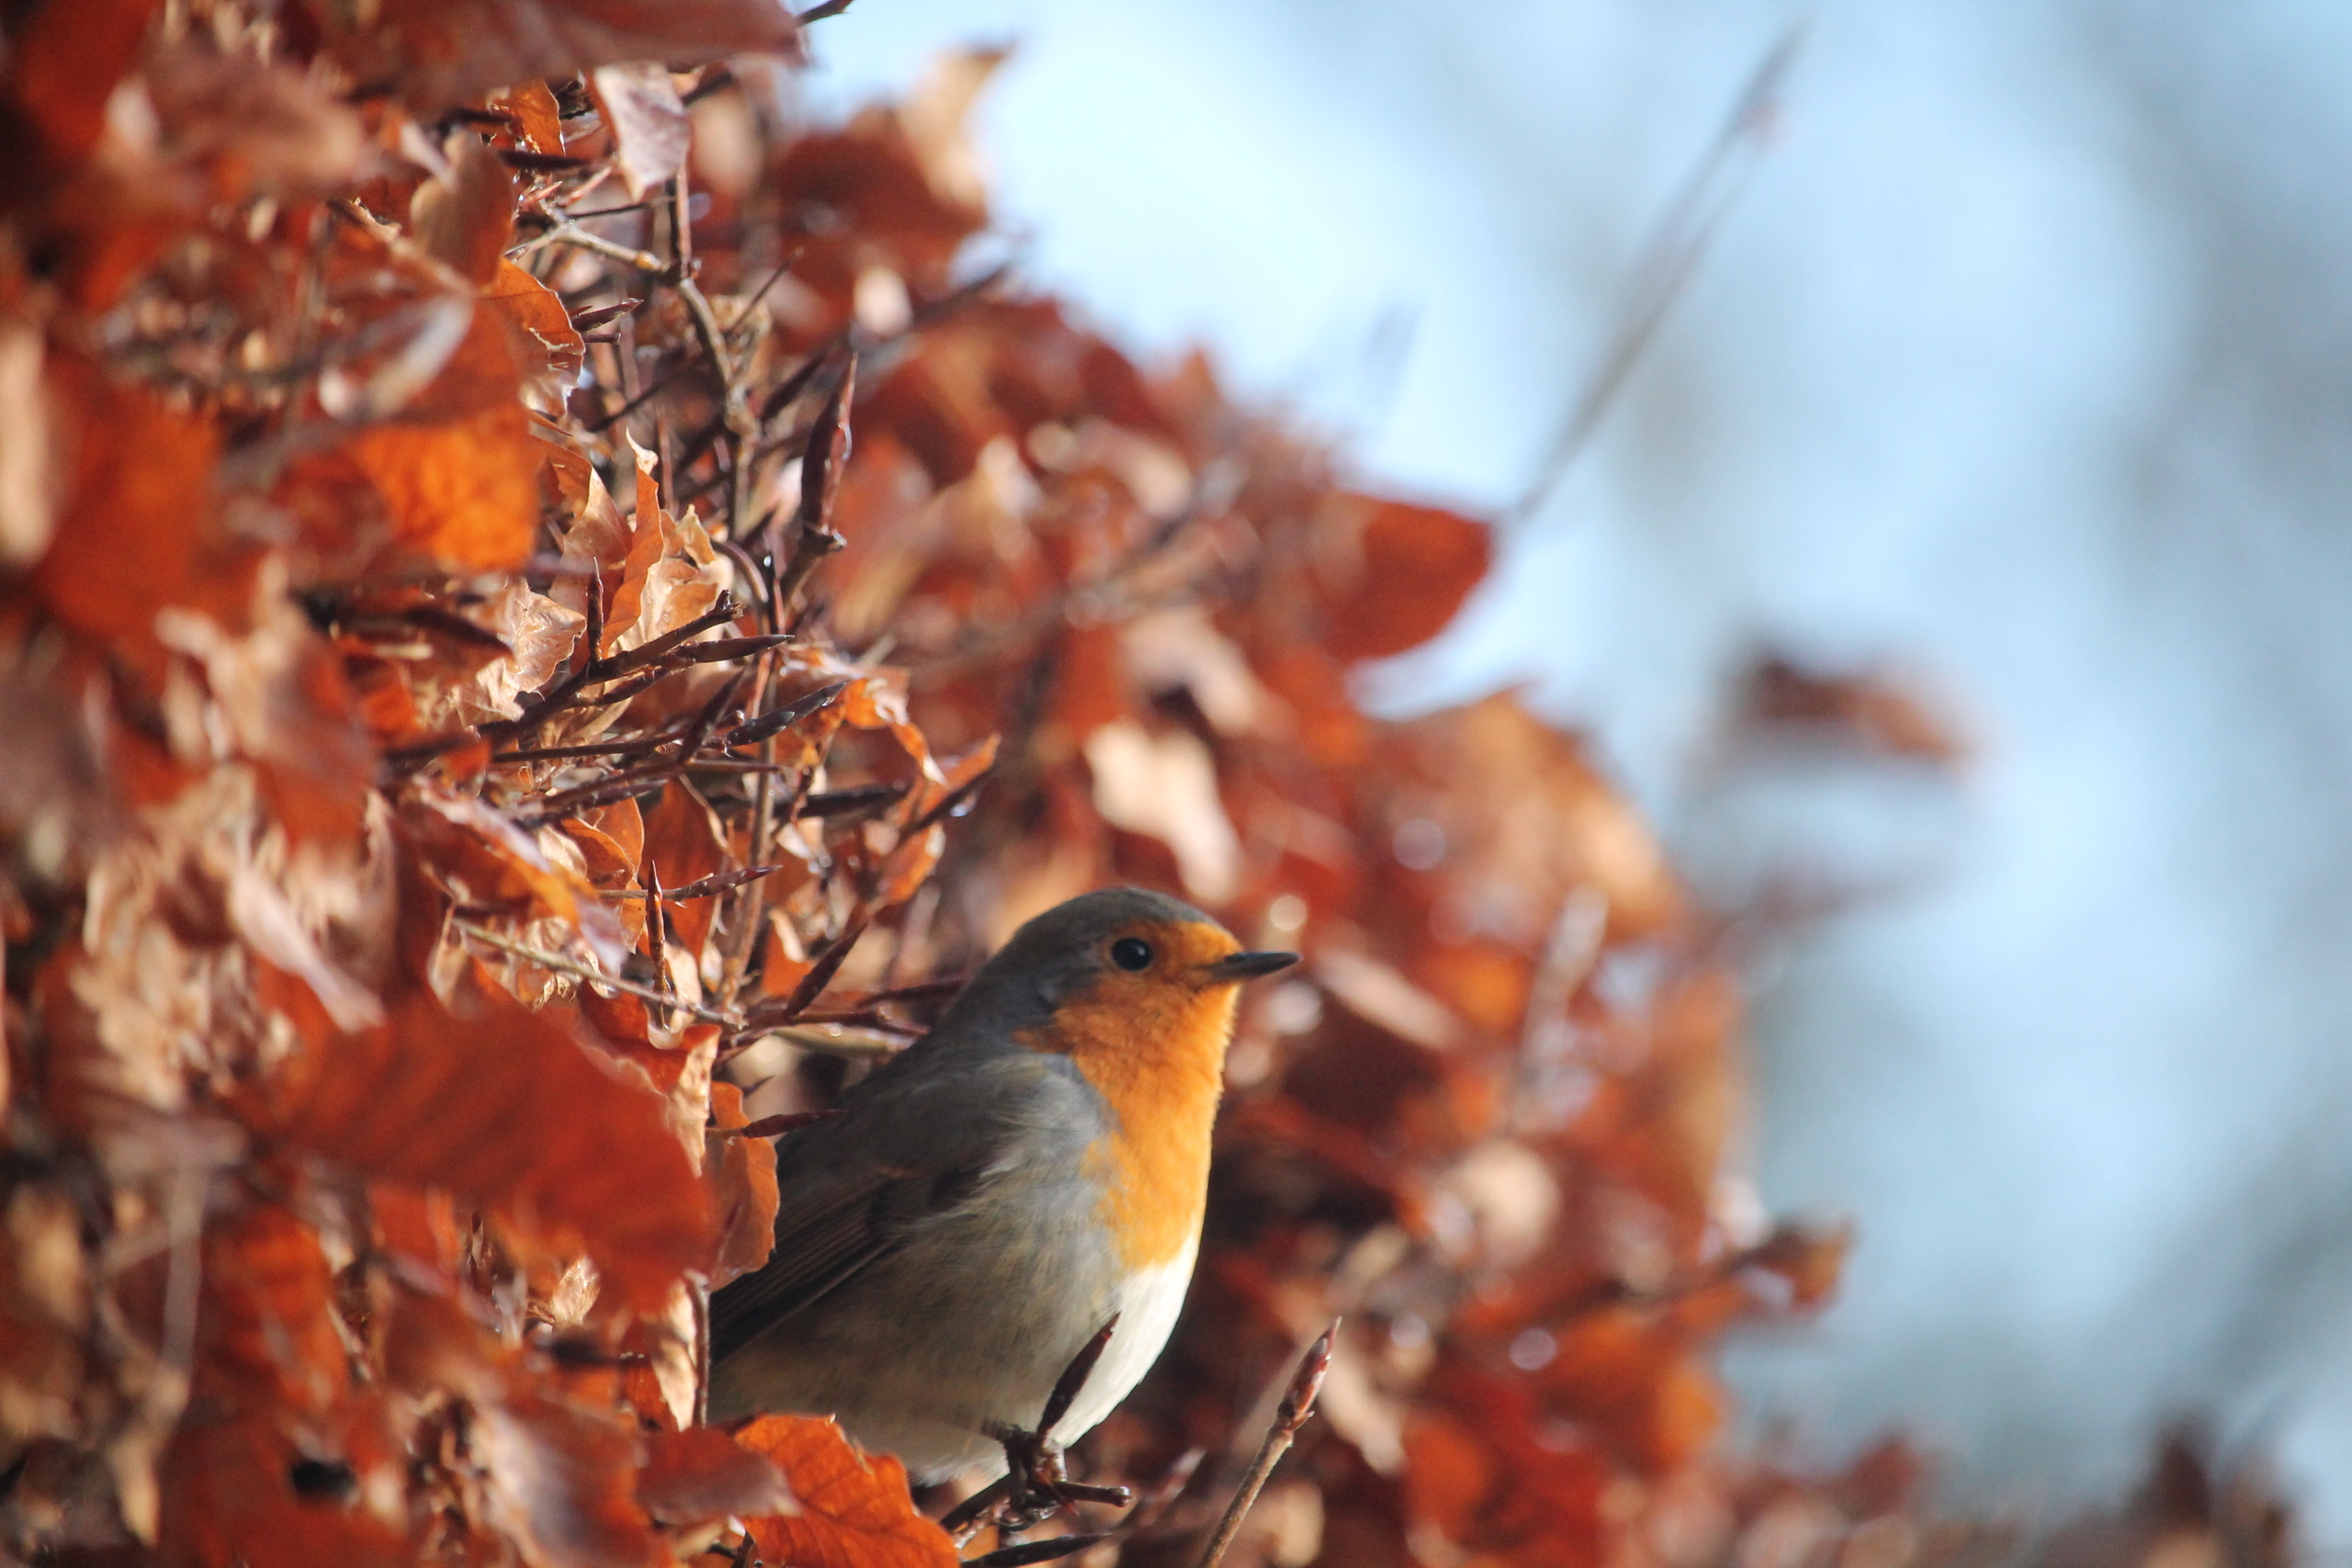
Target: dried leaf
856,1511
133,532
648,124
446,52
548,347
564,1483
1166,785
502,1109
537,117
742,1174
1391,574
692,1476
464,217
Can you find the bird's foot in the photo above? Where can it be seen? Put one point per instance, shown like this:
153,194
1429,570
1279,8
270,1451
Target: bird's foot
1035,1487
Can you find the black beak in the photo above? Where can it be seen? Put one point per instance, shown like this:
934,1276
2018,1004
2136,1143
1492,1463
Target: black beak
1236,967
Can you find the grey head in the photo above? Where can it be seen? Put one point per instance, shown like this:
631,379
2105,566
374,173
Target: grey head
1062,952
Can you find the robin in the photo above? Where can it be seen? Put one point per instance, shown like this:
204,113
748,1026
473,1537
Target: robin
991,1198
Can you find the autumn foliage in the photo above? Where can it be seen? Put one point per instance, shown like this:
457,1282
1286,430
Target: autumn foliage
480,748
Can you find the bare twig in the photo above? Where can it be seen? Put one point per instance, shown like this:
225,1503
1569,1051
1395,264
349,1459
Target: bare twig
1670,254
564,965
849,1044
1045,1551
821,477
701,1290
1298,1404
820,974
656,940
705,887
781,719
781,1122
596,244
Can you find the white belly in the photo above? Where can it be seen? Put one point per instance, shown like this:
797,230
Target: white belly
1148,1305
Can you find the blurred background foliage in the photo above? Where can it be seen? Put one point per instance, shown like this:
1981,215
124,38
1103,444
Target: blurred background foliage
2020,364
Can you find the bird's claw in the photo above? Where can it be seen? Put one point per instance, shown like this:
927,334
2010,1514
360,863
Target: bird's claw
1038,1485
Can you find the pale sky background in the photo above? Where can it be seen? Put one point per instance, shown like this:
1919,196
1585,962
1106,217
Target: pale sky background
2027,359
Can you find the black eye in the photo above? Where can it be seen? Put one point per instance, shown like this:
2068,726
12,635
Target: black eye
1131,952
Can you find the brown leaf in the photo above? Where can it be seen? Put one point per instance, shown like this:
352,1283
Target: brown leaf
1883,711
1394,574
564,1484
447,51
134,530
855,1510
704,1473
546,345
502,1109
1810,1259
465,217
485,860
650,130
742,1174
537,117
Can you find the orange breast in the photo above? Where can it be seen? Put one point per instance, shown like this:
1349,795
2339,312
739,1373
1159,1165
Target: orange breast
1156,1053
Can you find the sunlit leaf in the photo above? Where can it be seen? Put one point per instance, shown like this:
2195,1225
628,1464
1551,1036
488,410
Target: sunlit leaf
855,1509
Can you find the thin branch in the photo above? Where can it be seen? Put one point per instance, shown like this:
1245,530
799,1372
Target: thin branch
703,887
1670,254
564,965
1298,1404
1045,1551
596,244
701,1290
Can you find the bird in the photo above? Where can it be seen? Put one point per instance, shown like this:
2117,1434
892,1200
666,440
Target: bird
988,1202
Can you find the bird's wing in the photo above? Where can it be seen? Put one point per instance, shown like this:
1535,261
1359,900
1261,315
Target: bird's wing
911,1147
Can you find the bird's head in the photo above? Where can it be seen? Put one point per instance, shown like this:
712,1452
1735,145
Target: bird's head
1126,972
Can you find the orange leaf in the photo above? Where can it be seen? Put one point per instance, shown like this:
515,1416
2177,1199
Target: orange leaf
1394,574
742,1173
64,64
444,52
538,118
683,842
266,1325
240,1492
132,533
546,343
703,1474
855,1510
466,492
503,1108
